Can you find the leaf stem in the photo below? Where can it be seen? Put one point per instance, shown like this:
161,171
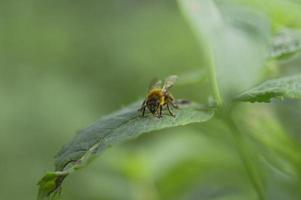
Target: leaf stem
245,158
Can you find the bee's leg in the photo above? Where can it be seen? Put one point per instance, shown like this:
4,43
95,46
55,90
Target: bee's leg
171,101
142,106
142,109
174,105
171,113
160,111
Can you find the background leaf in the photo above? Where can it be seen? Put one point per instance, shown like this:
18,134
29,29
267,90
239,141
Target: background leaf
237,38
120,126
287,87
286,43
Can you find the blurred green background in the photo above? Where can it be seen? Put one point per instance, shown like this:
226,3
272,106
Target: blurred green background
64,64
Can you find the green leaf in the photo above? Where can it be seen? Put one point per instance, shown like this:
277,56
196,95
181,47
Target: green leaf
49,185
117,127
281,13
287,87
236,39
286,43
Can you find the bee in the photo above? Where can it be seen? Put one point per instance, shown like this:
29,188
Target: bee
159,97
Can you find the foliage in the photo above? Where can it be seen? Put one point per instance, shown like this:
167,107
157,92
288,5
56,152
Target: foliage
235,42
81,60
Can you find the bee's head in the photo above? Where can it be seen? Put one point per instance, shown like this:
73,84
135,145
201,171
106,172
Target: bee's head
153,105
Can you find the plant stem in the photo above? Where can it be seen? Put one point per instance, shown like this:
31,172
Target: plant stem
245,157
212,73
206,48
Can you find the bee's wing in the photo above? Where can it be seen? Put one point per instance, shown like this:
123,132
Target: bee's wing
169,82
155,83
